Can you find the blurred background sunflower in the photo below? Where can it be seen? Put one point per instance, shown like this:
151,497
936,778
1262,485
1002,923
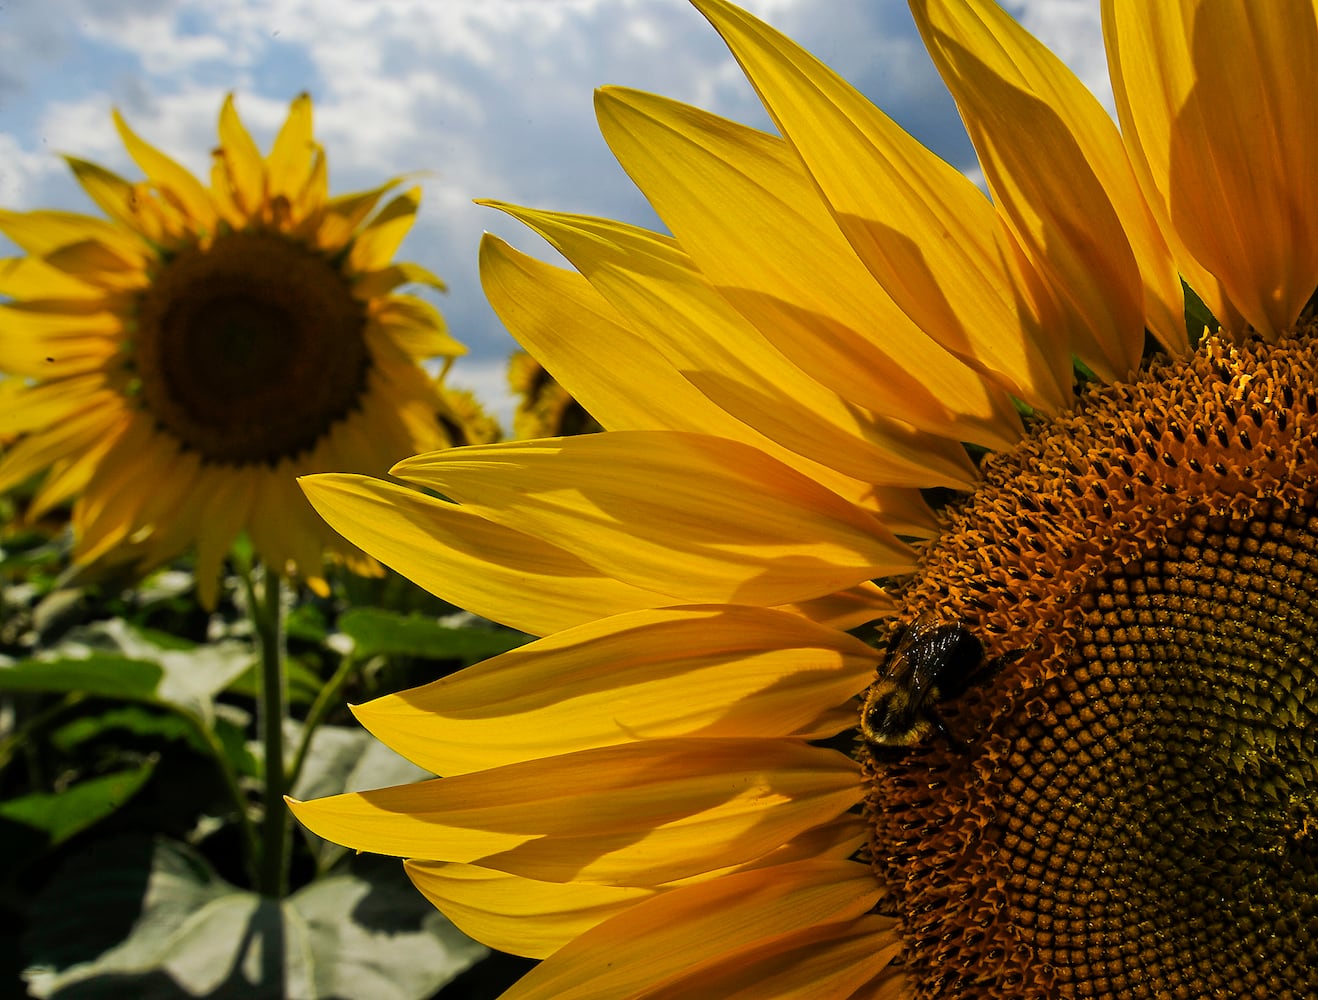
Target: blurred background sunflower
186,357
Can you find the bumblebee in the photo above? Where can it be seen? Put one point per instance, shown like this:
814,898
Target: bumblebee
927,662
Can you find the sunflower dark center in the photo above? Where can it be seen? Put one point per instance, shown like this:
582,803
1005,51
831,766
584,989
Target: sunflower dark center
1135,812
248,351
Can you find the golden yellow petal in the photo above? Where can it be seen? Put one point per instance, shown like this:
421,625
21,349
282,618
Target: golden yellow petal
107,513
655,286
849,608
48,404
922,228
518,915
371,284
289,163
637,814
661,937
228,500
464,558
587,346
242,160
282,527
677,672
176,185
55,340
379,240
1059,172
33,278
703,518
834,960
47,230
344,213
116,197
416,326
76,435
97,264
775,252
1216,103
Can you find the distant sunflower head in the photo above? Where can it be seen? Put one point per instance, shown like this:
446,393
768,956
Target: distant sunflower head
187,357
936,615
544,408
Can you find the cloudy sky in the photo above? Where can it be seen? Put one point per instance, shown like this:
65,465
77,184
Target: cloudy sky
492,97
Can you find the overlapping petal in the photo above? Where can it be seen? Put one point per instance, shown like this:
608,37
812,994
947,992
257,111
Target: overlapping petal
659,940
722,671
635,814
697,517
1214,100
470,560
1059,172
924,231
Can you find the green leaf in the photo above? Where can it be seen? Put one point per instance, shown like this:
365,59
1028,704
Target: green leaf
375,632
115,660
364,933
101,674
133,719
60,815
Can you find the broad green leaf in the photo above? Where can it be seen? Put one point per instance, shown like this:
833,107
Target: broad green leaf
101,674
189,678
60,815
364,933
132,719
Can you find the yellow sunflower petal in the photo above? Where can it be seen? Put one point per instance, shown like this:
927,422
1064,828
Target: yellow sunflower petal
1057,168
44,231
228,500
464,558
72,439
97,264
50,403
370,284
708,519
32,277
518,915
344,213
715,671
738,368
375,245
417,327
585,344
662,937
1216,103
922,228
637,814
242,159
837,959
115,196
289,163
776,253
849,608
176,184
108,516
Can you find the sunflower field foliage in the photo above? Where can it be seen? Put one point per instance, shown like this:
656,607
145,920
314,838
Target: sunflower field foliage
174,616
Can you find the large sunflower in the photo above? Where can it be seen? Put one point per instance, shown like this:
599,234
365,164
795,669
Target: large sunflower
1089,766
188,357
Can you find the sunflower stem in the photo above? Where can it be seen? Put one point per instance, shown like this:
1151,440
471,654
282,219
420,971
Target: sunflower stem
273,711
